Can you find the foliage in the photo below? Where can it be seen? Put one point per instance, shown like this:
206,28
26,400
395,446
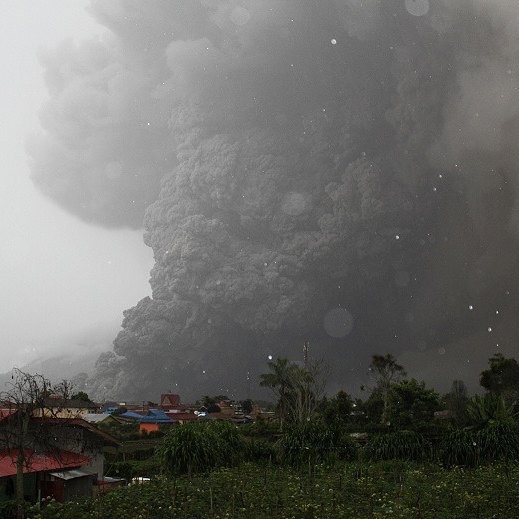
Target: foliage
337,410
187,449
400,445
456,402
312,442
489,408
502,376
460,448
261,428
399,490
472,447
386,371
297,388
498,442
9,508
135,468
279,380
198,447
81,396
259,449
411,404
211,402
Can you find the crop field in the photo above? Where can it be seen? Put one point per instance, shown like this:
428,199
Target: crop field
345,489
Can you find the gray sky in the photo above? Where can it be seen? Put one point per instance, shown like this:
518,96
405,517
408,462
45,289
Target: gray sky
60,276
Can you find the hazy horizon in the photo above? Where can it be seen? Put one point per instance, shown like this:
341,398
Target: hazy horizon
60,275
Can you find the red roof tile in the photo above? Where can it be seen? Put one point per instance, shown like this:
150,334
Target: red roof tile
40,462
182,416
4,413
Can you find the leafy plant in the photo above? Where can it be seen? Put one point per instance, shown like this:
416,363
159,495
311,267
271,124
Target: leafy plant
489,408
403,445
312,442
260,450
498,442
188,449
460,447
198,447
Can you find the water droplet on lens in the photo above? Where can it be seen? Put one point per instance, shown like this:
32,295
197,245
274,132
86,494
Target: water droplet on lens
239,15
338,322
417,7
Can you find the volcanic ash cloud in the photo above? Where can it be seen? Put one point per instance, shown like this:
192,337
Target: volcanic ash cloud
291,161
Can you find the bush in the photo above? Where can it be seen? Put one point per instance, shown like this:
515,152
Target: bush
400,445
471,447
498,442
134,468
260,450
228,442
314,442
8,509
346,448
460,448
198,447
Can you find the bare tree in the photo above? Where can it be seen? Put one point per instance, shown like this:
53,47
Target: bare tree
20,435
64,389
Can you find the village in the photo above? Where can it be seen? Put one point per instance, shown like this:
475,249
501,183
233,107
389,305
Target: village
75,447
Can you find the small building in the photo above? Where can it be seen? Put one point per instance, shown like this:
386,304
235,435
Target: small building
39,480
65,458
56,407
149,422
169,401
182,417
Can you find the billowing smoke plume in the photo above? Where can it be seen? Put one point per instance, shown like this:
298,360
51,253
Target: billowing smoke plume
340,171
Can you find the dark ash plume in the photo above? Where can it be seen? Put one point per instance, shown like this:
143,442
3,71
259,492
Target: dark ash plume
338,171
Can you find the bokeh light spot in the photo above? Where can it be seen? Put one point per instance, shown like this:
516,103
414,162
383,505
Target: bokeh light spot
338,322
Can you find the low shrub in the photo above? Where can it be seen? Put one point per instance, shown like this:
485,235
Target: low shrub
400,445
470,447
312,442
198,447
498,442
460,448
258,450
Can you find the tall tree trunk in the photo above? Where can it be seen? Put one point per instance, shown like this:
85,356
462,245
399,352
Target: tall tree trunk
20,514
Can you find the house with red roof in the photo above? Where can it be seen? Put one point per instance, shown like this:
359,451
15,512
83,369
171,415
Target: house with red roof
169,401
68,465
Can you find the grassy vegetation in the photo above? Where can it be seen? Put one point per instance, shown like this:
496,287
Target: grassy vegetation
402,463
347,489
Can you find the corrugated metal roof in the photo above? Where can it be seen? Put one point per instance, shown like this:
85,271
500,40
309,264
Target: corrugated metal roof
70,474
153,416
95,417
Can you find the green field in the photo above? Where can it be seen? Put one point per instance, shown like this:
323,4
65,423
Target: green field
351,490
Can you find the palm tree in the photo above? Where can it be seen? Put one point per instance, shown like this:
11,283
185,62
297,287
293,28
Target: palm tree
279,380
